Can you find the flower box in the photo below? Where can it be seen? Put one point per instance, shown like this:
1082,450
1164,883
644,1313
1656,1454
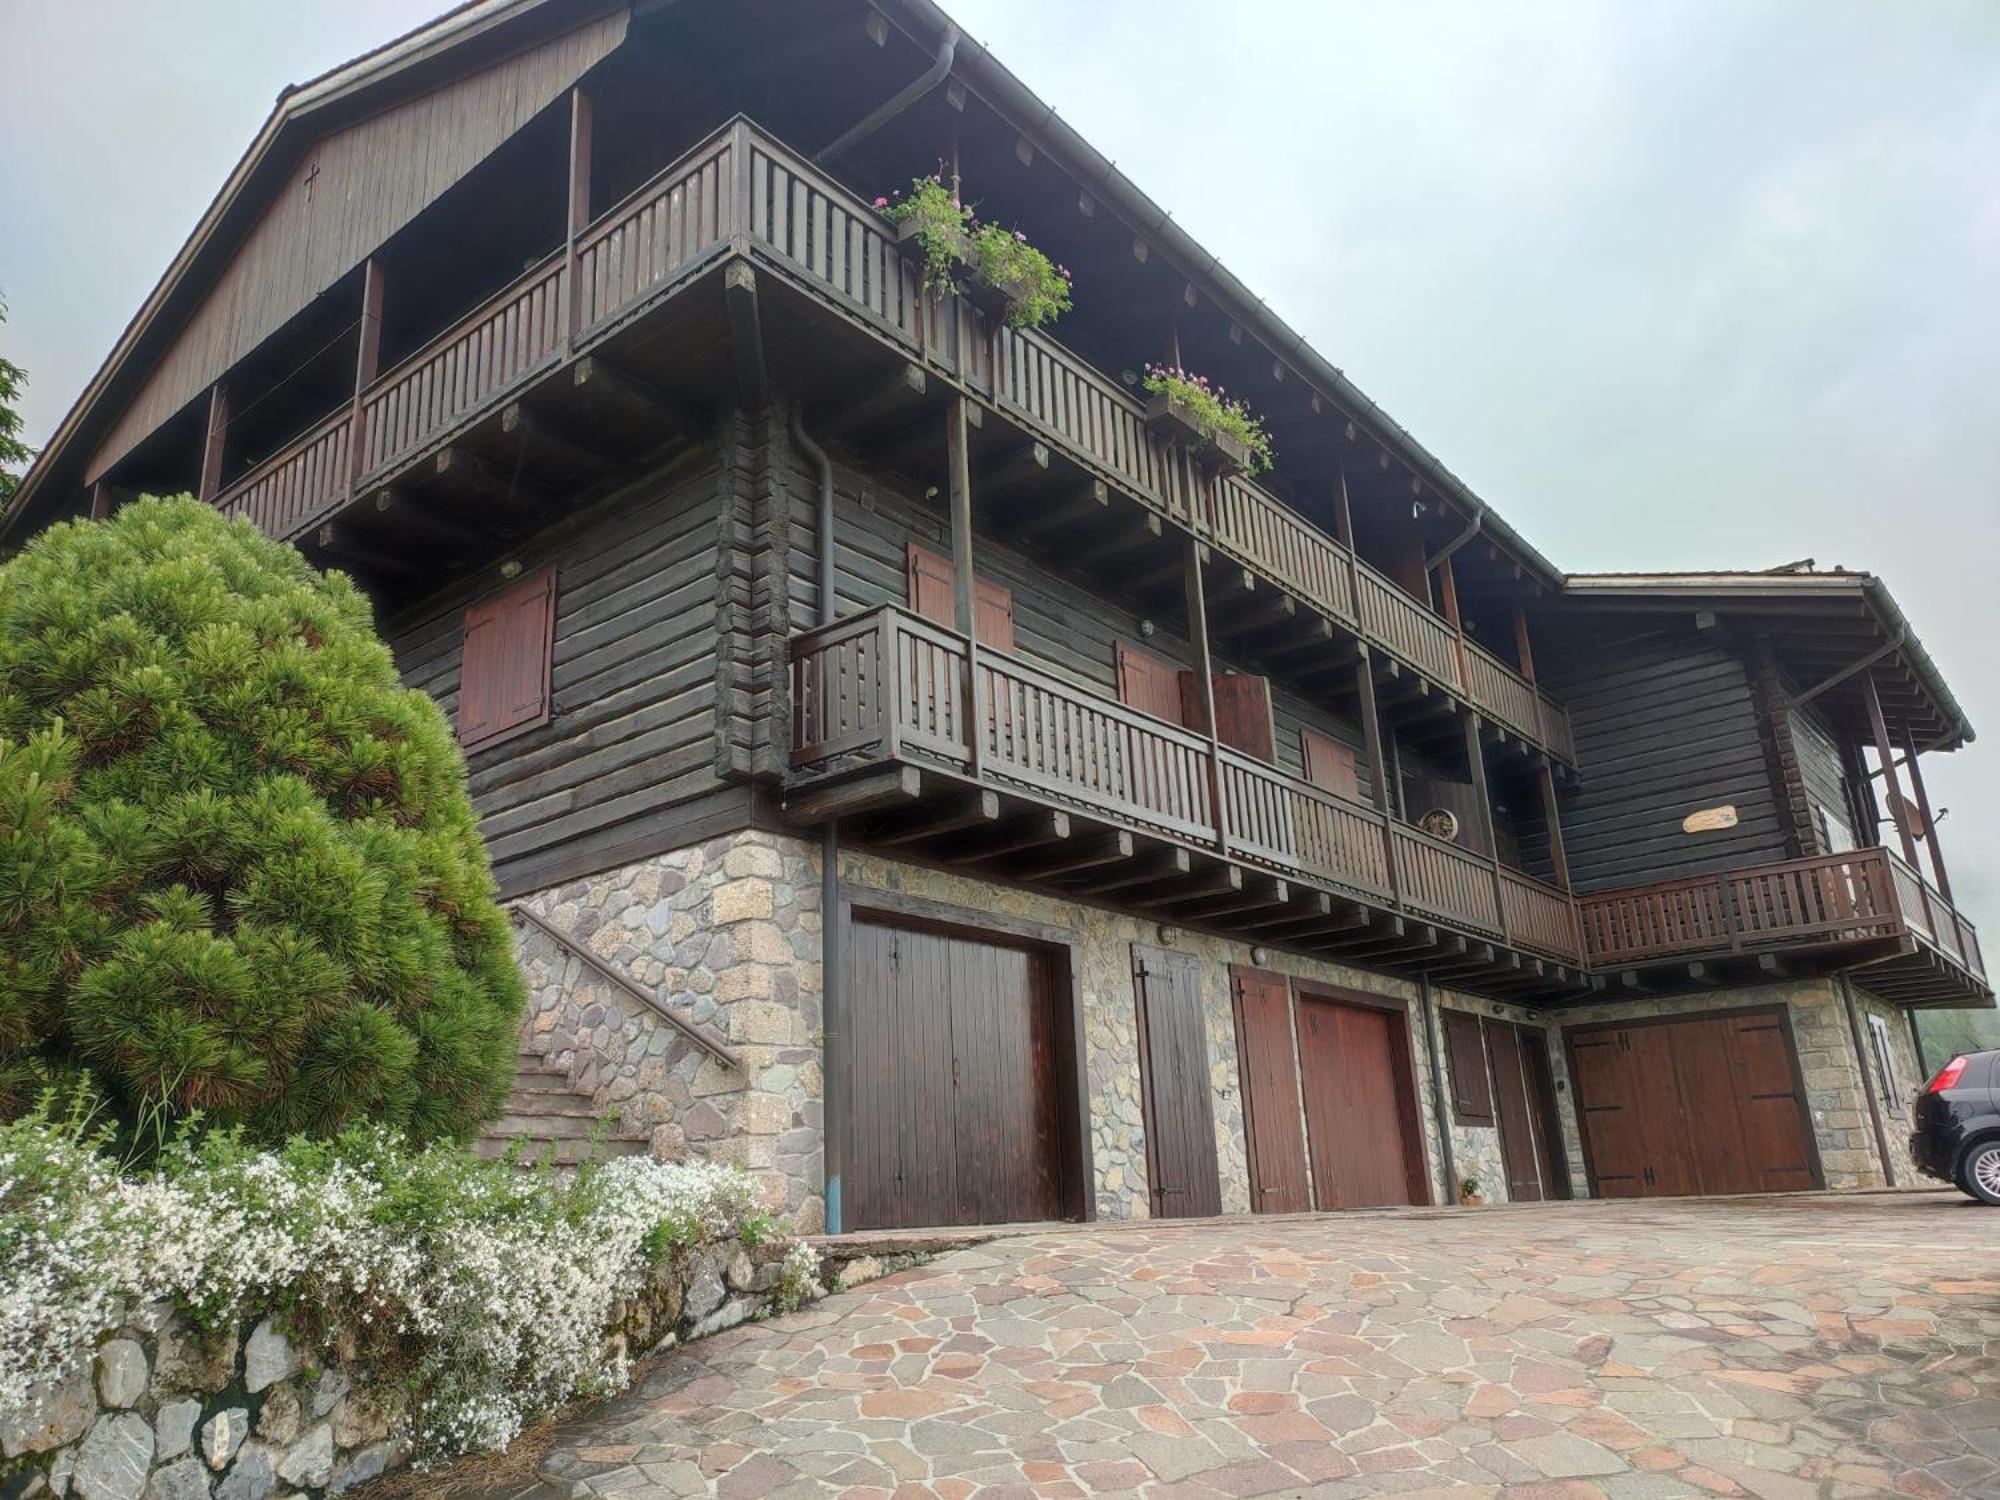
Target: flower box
995,299
1169,417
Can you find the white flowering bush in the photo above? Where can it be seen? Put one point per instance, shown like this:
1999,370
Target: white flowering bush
482,1291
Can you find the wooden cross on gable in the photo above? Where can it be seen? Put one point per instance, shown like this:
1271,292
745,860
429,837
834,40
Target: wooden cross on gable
311,173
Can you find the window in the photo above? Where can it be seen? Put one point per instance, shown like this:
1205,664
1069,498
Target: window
933,593
1465,1061
1330,765
503,682
1885,1066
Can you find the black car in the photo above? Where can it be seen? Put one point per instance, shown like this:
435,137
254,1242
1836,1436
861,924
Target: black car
1957,1119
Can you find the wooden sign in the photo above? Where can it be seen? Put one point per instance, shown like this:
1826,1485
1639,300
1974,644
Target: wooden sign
1709,819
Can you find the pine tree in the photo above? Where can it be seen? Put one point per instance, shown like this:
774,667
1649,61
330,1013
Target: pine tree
239,868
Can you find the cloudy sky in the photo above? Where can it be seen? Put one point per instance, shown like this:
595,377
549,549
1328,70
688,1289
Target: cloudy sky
1714,283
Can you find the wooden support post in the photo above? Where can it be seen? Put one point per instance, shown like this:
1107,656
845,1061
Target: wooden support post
100,501
1551,815
1892,785
1381,790
958,466
1204,678
1924,812
1524,651
367,365
214,443
1482,797
579,208
1448,597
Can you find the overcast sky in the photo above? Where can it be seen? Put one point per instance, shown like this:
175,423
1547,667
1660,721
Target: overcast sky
1714,283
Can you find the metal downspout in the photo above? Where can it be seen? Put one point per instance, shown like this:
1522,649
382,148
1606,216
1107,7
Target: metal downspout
909,94
1471,530
1438,1110
833,1016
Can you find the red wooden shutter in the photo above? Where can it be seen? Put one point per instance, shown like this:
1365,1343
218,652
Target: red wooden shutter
1243,715
1330,765
1465,1061
933,594
1149,684
503,682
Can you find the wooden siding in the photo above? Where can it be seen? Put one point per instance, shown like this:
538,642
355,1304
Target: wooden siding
634,684
1820,768
367,181
1667,724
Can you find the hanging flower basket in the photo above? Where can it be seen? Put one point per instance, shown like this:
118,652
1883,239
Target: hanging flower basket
994,268
1186,409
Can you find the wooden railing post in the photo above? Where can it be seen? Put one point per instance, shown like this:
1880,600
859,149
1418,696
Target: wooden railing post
367,365
959,477
889,700
1204,675
1482,798
214,443
578,200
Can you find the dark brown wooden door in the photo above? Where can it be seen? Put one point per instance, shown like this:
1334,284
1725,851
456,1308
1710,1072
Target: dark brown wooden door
956,1116
1706,1105
1173,1066
1269,1064
1511,1104
1549,1148
1360,1106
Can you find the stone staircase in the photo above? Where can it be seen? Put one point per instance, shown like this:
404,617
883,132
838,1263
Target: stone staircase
557,1121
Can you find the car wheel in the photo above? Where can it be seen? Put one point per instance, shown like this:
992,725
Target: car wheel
1979,1172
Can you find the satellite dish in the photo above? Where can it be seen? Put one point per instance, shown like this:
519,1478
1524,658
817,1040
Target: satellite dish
1440,823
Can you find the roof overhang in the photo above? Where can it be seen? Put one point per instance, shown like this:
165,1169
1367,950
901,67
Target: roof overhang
1831,631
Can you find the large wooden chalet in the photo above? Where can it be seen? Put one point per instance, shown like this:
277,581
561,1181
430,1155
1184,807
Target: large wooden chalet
930,785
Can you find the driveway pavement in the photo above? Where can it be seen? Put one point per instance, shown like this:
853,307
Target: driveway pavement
1807,1346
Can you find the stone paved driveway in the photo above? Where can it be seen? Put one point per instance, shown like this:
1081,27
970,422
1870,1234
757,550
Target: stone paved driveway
1777,1347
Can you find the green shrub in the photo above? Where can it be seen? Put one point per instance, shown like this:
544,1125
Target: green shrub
239,870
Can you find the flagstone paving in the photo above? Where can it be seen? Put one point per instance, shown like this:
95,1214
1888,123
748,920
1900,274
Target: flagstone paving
1780,1348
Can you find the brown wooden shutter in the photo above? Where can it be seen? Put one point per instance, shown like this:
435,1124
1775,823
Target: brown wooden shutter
1243,715
1465,1059
1330,765
1149,684
933,594
503,683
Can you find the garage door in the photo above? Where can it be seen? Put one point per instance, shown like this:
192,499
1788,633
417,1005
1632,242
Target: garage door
1706,1105
958,1113
1361,1110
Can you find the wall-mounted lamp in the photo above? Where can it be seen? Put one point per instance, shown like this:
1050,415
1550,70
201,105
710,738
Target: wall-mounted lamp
1169,933
510,569
1147,629
1260,956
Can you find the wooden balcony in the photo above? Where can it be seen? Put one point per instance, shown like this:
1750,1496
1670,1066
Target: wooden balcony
740,194
983,759
1866,910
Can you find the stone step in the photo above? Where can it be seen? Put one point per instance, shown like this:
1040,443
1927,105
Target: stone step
559,1106
562,1153
577,1126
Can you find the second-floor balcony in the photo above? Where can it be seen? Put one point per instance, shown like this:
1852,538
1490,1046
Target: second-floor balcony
742,195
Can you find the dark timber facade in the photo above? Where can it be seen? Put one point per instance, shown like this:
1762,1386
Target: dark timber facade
1198,843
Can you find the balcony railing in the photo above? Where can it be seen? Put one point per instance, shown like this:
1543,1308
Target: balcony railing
1827,900
742,188
888,686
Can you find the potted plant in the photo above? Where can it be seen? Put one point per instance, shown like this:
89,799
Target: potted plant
1469,1194
1187,408
993,267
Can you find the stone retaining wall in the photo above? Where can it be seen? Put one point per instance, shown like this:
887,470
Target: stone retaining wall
160,1413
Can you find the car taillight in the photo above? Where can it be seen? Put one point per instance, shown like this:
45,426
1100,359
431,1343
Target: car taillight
1947,1076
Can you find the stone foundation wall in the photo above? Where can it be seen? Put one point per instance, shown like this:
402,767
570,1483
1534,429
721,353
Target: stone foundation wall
162,1413
1105,939
728,931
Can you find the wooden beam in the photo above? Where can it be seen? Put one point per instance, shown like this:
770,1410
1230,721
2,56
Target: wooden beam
1924,812
428,520
367,365
947,817
884,788
339,542
1216,880
1194,587
1256,895
1077,854
466,473
1552,817
1090,503
1030,461
536,436
1151,868
630,397
903,387
746,332
1885,750
1036,830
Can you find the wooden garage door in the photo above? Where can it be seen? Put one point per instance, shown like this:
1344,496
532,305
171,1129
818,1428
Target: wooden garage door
1710,1104
957,1115
1181,1173
1273,1133
1361,1109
